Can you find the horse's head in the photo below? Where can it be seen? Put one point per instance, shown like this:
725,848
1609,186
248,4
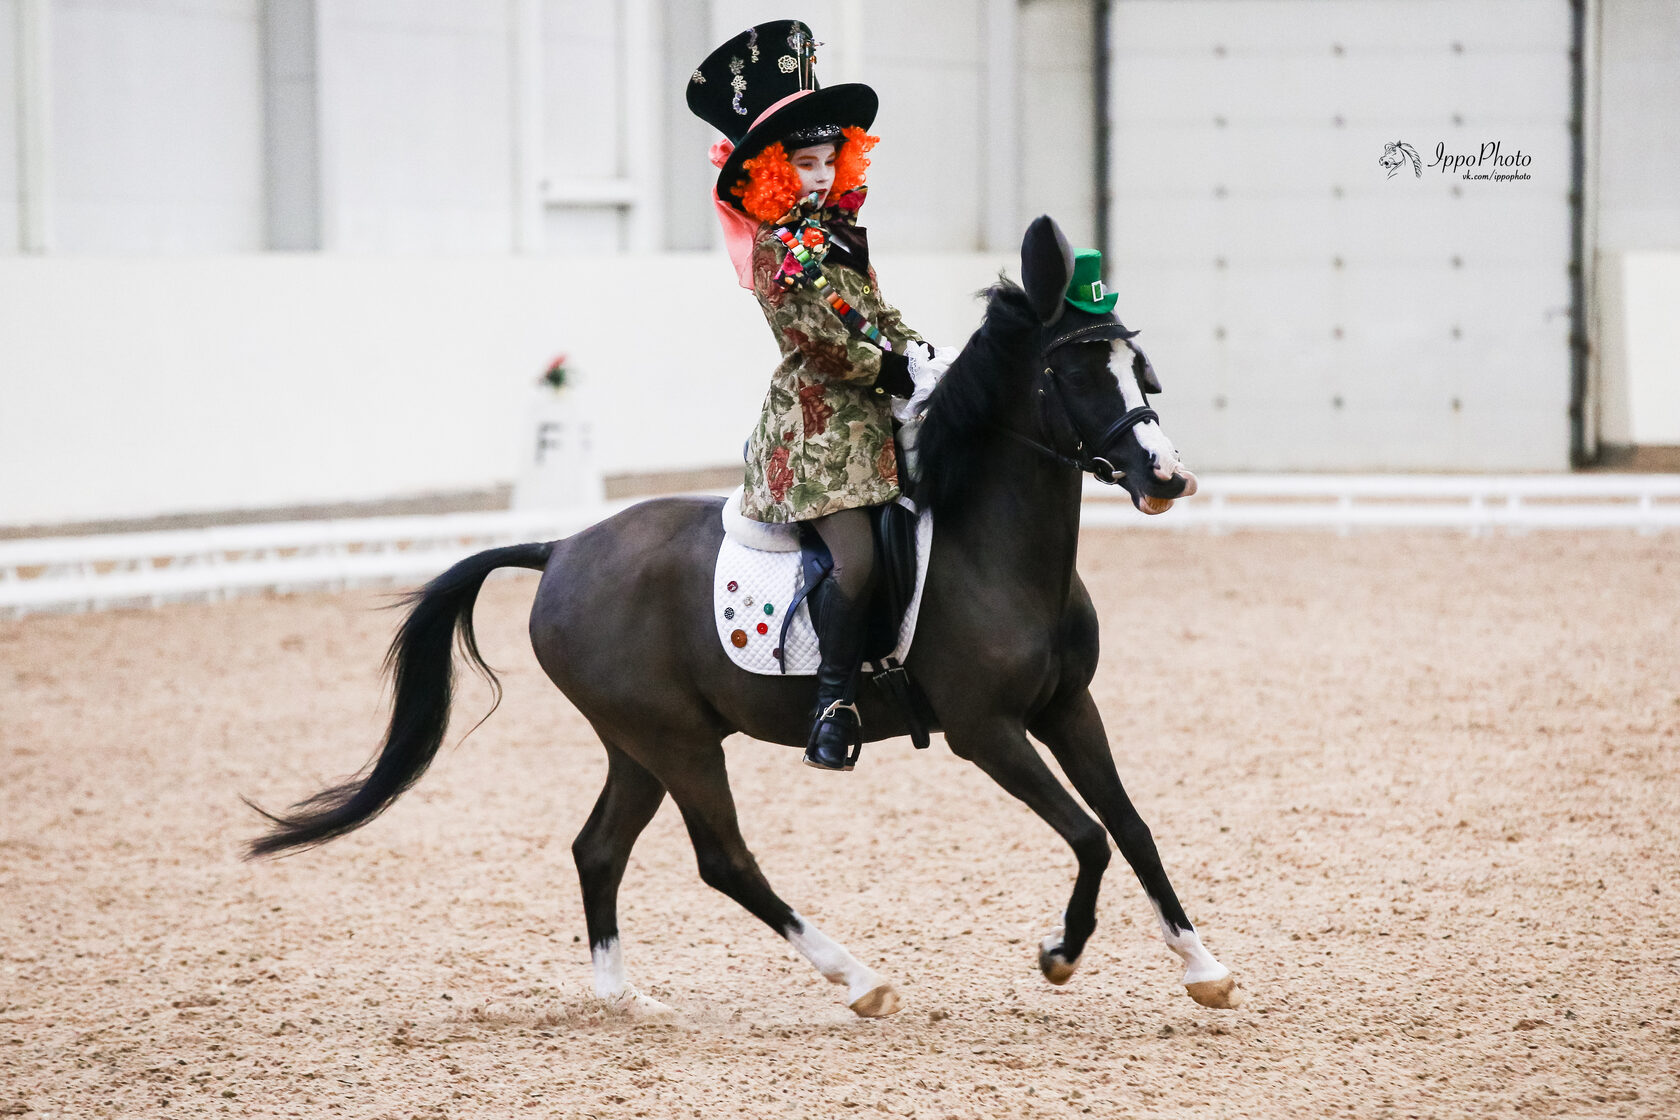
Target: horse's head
1091,384
1394,157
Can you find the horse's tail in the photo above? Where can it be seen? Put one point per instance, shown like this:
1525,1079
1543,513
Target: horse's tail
421,663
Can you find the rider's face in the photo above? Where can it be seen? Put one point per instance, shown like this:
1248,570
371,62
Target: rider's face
816,168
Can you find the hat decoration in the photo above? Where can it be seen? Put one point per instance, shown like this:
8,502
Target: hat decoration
1086,290
760,87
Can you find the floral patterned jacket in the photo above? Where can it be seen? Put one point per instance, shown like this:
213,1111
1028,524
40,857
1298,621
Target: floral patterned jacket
824,440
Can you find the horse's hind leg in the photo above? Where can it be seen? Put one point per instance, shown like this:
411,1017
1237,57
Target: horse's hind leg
699,783
627,803
1073,731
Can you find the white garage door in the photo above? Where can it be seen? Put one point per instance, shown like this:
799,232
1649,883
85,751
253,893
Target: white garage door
1305,309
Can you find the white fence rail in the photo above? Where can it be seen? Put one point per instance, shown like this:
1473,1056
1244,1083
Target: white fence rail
1474,503
120,569
94,572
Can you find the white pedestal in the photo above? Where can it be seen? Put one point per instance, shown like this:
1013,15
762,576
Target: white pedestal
558,467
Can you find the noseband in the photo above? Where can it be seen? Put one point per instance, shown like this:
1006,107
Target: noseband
1052,405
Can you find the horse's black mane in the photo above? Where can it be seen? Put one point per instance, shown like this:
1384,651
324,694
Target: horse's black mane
967,400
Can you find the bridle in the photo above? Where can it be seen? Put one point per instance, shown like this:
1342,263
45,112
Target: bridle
1052,405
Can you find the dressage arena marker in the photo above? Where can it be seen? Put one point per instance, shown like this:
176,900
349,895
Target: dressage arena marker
128,569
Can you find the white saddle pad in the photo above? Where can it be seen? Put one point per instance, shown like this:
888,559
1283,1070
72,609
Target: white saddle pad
752,587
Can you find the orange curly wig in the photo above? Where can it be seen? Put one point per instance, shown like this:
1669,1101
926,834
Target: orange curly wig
852,163
772,184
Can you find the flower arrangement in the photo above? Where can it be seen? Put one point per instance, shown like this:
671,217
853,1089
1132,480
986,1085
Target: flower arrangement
555,375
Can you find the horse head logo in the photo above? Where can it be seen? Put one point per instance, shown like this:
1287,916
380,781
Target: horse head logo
1394,157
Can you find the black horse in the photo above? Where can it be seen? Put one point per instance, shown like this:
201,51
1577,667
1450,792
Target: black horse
1006,642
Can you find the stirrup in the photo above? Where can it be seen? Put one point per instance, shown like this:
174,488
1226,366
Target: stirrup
828,715
841,706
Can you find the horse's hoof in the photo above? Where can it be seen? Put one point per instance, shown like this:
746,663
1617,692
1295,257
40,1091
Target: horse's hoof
878,1002
1053,962
644,1009
1226,994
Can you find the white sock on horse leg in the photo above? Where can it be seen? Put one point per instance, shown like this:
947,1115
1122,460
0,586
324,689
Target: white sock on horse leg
608,960
611,984
831,959
1199,964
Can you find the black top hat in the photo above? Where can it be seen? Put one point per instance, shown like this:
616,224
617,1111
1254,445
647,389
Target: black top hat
758,68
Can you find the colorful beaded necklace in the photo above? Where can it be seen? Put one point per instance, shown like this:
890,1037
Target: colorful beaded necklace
807,245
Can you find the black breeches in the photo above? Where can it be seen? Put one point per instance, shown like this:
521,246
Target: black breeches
850,537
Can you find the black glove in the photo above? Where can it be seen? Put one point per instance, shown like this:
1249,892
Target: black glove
895,375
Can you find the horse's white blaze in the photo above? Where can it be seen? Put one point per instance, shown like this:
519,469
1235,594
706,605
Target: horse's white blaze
831,959
1199,964
1148,433
608,960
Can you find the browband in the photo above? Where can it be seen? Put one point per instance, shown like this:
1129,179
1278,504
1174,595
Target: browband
1096,332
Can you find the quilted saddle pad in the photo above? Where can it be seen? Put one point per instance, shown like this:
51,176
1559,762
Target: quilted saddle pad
752,586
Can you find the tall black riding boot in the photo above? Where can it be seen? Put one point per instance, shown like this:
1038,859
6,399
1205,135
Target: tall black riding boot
837,733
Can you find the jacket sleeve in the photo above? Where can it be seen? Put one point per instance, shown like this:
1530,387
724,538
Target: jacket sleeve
832,350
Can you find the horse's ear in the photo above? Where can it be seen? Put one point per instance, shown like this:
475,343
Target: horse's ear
1046,268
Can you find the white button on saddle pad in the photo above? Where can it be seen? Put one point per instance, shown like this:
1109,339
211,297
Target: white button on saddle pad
761,578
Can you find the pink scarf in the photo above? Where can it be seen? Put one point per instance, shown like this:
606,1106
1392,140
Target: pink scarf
739,227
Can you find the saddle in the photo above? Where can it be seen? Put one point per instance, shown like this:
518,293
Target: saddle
757,566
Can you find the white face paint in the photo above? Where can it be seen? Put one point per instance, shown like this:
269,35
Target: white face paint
816,168
1149,433
830,958
1199,964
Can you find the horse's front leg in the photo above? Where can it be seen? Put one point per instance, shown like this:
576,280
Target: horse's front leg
1072,728
999,747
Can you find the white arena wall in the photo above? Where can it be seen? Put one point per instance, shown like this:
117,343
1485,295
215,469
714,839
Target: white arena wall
141,387
132,388
467,176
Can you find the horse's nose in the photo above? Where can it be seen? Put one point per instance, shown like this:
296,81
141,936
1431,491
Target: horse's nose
1165,465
